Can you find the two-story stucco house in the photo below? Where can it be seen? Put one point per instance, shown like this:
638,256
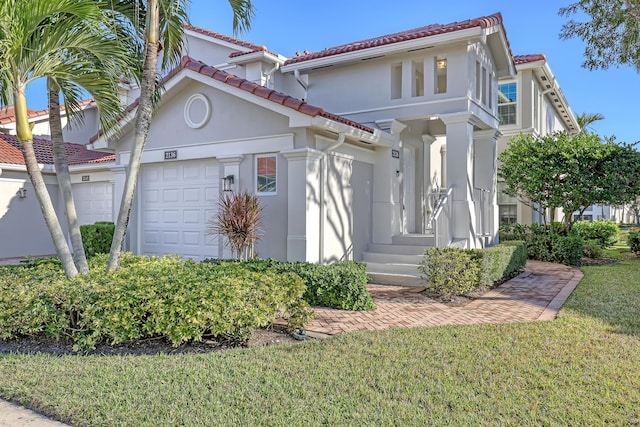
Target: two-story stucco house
372,150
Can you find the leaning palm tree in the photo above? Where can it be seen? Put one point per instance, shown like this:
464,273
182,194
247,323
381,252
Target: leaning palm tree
164,21
70,42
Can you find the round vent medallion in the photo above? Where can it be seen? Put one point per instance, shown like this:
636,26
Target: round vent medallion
197,111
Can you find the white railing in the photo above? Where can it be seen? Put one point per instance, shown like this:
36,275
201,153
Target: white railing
438,216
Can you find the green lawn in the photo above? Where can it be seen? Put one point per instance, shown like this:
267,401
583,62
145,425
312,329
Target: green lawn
582,369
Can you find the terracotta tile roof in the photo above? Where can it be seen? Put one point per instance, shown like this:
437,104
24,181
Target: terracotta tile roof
263,92
7,114
253,47
254,88
524,59
416,33
77,154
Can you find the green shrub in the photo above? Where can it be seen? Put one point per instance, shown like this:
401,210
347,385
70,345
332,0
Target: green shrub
340,285
593,249
500,262
97,238
147,297
555,248
450,271
568,250
633,240
606,232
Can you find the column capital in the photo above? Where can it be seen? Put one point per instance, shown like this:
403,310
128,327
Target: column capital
230,160
489,134
428,139
302,154
459,118
393,125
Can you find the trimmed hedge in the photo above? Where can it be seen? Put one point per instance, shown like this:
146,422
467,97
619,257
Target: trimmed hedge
147,297
566,250
501,261
452,271
97,238
340,285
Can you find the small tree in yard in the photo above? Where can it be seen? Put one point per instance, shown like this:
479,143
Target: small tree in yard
569,172
238,220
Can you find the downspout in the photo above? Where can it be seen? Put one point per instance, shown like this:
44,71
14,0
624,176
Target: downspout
301,82
269,73
323,184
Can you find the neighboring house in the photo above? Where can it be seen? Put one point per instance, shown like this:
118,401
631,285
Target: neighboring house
79,132
352,150
22,228
530,103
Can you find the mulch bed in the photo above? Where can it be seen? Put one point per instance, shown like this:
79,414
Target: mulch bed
262,337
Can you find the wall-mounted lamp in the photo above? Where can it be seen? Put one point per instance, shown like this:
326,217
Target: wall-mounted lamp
227,182
22,193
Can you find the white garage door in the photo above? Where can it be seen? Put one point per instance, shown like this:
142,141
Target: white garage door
178,200
94,201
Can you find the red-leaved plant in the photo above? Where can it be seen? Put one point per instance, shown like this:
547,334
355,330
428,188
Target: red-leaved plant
238,220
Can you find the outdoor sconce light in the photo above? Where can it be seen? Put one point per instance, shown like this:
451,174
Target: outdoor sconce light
22,193
227,182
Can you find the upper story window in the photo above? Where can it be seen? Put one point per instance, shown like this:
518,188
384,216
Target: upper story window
266,174
396,80
441,75
507,98
417,70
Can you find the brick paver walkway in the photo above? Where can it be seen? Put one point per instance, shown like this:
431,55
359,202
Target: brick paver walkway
536,294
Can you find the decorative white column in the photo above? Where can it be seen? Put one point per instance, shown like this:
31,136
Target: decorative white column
303,204
230,165
387,209
486,176
460,175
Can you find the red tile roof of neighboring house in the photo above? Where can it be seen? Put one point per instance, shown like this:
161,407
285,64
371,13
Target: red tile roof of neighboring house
524,59
416,33
77,154
7,114
263,92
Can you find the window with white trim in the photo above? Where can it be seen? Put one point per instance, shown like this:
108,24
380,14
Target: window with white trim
441,75
507,99
266,174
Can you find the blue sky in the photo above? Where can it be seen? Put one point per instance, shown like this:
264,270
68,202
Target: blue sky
287,26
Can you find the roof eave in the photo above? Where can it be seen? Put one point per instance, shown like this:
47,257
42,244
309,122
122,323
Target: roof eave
430,41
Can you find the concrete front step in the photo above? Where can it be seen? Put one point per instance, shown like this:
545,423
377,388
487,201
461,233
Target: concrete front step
391,268
423,240
396,249
394,279
392,258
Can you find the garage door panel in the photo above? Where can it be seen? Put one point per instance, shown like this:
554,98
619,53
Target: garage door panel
93,202
189,196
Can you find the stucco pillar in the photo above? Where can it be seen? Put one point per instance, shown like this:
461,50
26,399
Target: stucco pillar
486,177
229,165
387,209
460,175
303,204
119,176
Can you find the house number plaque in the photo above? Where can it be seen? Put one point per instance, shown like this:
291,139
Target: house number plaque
395,154
171,155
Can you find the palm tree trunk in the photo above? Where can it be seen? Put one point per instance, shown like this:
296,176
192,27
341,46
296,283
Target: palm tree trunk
143,122
64,180
46,206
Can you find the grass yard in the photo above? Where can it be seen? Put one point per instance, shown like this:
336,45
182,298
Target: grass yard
582,369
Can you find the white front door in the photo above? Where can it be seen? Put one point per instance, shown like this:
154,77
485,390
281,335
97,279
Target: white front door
409,193
94,202
178,201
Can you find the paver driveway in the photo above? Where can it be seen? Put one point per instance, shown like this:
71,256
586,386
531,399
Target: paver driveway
536,294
